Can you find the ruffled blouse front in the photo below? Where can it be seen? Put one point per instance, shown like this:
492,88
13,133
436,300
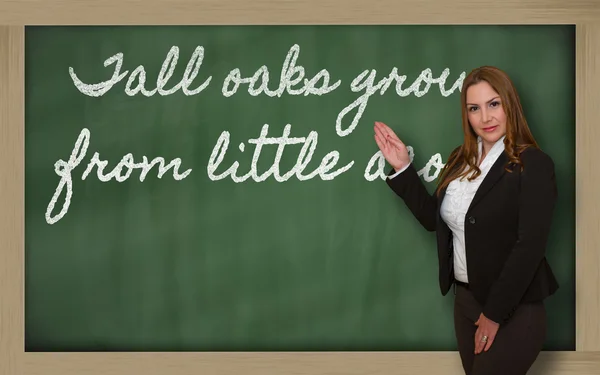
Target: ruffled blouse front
457,200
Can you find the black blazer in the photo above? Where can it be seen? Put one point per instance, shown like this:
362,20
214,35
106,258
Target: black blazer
506,232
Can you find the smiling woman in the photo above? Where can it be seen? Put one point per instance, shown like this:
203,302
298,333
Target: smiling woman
494,225
488,116
308,264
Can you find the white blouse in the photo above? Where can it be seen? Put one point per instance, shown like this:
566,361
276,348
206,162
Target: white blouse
459,195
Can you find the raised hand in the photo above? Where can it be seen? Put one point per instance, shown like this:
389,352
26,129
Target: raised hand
391,146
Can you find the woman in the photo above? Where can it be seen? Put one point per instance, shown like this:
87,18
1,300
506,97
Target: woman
492,212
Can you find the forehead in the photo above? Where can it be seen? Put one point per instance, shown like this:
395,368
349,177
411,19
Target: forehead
480,92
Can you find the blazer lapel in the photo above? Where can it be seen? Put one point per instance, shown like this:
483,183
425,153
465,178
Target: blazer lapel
496,171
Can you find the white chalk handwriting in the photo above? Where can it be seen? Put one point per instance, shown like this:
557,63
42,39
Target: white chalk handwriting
63,170
292,80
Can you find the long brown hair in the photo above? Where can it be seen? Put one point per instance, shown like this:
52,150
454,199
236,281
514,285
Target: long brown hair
518,136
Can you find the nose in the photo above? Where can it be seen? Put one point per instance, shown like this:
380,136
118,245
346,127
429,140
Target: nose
485,116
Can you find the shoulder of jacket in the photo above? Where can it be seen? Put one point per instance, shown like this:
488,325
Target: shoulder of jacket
535,157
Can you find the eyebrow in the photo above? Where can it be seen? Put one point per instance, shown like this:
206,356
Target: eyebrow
495,97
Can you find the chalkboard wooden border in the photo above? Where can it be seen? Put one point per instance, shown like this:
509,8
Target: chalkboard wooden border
15,14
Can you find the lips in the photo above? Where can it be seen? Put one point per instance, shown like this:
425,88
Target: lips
490,129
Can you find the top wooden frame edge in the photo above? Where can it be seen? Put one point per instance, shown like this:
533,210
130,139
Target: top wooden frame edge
297,12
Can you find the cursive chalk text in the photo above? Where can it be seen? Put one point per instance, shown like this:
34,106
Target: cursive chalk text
127,165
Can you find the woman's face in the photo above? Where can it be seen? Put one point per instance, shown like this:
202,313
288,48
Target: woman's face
486,113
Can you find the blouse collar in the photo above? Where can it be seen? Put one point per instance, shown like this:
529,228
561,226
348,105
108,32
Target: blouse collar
494,152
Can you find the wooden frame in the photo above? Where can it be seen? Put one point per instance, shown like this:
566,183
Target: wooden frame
585,14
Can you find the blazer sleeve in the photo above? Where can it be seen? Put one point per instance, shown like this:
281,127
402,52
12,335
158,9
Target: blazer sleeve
537,199
408,186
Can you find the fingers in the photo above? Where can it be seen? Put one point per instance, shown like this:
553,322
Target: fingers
380,135
477,338
479,344
383,128
483,346
486,328
395,142
489,342
481,331
392,148
382,142
387,131
387,134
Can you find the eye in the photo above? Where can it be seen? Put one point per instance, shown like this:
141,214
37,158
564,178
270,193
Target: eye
471,109
495,103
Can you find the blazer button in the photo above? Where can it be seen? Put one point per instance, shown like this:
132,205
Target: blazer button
471,220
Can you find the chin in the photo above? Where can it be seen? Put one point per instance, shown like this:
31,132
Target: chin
493,136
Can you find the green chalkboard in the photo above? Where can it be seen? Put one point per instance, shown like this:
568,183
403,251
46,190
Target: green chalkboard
269,259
